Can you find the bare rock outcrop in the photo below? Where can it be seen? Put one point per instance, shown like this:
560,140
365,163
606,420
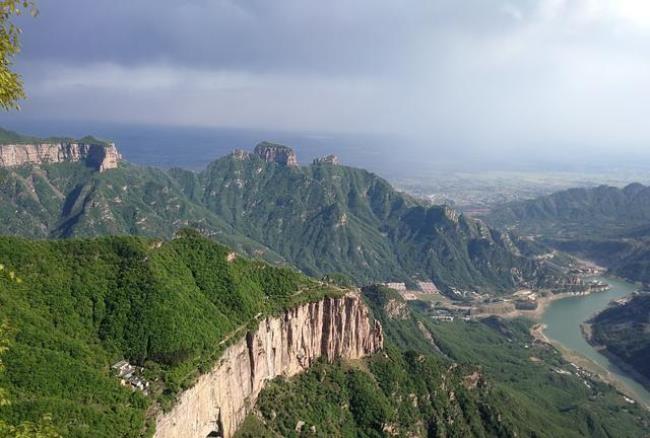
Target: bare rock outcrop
328,159
276,153
96,155
240,154
332,328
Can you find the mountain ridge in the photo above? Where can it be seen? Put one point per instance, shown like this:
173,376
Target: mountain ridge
323,218
606,224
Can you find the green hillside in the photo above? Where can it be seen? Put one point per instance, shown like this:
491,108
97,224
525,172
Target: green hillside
323,218
624,331
74,307
600,212
604,224
69,199
328,218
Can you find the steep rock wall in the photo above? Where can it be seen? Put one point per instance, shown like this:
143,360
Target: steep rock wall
276,153
98,156
287,345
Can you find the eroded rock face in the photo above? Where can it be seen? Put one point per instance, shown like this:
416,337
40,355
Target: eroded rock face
332,328
98,156
276,153
328,159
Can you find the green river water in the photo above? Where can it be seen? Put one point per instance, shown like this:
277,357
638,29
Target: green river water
563,317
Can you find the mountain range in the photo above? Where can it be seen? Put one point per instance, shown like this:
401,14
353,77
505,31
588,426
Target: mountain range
323,218
118,270
606,224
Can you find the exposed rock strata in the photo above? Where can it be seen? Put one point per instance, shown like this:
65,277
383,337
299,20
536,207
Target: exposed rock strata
276,153
98,156
328,159
286,345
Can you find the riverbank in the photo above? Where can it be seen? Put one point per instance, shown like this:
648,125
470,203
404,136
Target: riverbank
537,332
537,313
561,325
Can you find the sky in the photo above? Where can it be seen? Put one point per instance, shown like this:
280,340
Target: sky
533,77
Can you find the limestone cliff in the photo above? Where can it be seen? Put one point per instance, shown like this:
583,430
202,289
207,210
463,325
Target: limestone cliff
98,156
286,345
276,153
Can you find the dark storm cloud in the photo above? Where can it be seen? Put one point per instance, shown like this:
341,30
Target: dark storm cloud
328,37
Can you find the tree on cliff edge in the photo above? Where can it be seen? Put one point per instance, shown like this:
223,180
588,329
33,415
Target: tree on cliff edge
11,84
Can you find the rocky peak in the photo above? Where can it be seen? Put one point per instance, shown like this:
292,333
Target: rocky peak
240,154
451,213
276,153
328,159
98,155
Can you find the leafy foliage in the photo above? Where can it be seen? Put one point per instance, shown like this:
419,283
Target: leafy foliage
405,394
11,84
77,306
40,429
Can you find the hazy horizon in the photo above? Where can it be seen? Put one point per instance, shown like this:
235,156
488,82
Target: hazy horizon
195,147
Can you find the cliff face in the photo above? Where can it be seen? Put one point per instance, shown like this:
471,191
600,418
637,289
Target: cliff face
276,153
98,156
332,328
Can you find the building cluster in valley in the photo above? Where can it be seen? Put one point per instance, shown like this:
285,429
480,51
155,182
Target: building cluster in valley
585,269
440,307
456,303
424,289
130,375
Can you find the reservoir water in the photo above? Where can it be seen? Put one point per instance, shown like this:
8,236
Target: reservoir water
563,317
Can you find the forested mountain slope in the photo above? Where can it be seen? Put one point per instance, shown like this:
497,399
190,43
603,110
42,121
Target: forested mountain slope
624,331
600,212
71,308
606,224
331,218
323,218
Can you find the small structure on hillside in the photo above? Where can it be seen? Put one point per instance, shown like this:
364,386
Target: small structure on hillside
130,375
442,315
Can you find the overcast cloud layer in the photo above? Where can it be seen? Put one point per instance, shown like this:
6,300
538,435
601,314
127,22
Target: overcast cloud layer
517,75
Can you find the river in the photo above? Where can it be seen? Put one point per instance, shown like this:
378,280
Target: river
562,319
